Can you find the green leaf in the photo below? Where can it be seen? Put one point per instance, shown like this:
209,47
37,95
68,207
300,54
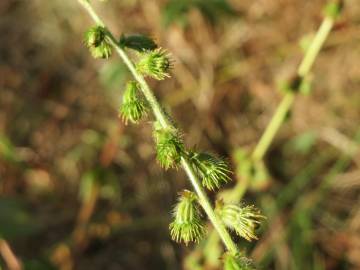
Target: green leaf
138,42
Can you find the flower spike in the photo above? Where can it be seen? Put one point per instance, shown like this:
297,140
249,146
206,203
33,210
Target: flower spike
187,226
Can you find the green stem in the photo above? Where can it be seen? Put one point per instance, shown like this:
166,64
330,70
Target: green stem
274,125
165,123
287,101
205,203
315,46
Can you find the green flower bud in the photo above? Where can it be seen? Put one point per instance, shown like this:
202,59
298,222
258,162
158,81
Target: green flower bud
155,64
213,171
244,220
169,146
187,225
138,43
95,40
133,107
237,262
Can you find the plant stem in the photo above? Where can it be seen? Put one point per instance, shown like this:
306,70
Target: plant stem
287,101
315,46
204,201
274,125
165,123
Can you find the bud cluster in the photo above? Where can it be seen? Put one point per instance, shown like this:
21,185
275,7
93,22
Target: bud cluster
212,170
95,39
187,225
244,220
155,64
169,146
133,107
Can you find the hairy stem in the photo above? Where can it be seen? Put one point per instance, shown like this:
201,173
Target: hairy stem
206,205
165,123
287,101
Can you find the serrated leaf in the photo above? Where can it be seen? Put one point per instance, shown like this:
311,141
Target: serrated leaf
138,42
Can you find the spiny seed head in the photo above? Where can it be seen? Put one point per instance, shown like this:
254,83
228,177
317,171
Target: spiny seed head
169,146
244,220
155,64
95,40
187,225
213,171
138,43
133,106
237,262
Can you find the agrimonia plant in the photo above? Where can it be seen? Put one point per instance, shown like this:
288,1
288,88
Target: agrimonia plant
204,170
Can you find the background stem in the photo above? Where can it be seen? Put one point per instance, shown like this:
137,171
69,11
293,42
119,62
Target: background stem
272,128
304,68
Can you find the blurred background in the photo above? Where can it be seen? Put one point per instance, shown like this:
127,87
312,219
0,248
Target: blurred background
80,190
